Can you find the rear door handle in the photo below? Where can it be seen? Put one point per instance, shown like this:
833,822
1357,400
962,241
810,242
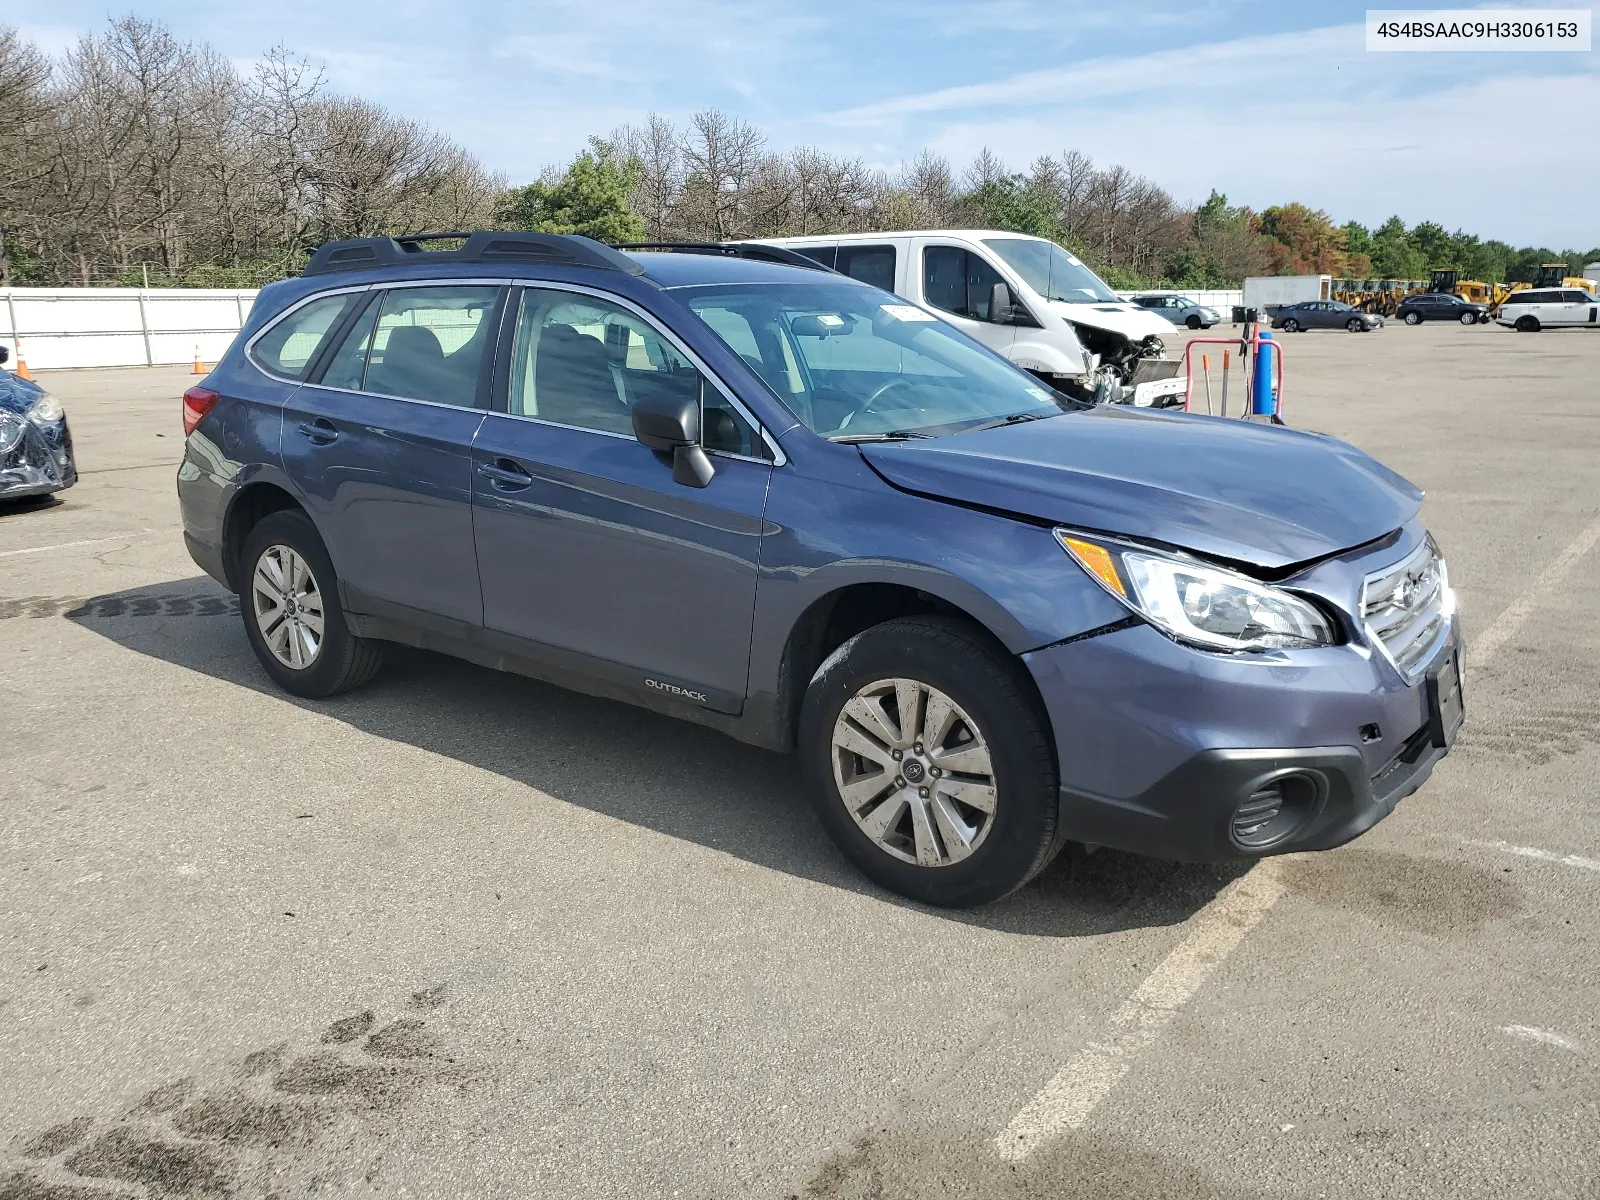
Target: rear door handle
320,432
505,475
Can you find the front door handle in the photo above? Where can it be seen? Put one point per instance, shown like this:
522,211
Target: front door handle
504,475
320,432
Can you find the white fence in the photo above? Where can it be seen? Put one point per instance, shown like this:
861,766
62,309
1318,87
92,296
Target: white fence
119,327
54,328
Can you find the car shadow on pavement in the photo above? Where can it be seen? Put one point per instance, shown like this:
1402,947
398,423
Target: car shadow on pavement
629,763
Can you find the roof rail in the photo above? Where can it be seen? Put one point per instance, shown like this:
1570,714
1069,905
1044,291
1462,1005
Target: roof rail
751,250
478,246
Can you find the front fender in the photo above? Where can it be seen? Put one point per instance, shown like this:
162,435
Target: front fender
824,534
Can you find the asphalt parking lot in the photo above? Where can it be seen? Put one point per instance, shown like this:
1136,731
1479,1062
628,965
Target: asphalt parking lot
464,934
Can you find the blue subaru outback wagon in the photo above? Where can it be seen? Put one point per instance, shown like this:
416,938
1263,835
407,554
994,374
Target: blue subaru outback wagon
779,502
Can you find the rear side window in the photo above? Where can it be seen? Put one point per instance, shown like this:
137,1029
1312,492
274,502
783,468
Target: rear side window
960,282
288,348
870,264
425,343
826,255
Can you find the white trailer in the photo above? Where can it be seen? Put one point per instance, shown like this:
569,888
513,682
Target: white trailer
1266,292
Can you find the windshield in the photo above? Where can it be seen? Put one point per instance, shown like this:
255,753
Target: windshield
1051,271
852,362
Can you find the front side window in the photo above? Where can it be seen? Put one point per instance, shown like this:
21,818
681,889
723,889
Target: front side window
424,343
582,361
849,362
289,346
869,264
1051,271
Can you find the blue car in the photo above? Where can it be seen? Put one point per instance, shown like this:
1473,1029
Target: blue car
35,444
779,502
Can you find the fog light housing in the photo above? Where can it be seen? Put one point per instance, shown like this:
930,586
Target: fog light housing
1276,808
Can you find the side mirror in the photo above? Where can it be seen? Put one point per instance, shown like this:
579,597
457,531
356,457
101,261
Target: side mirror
5,354
670,424
1000,304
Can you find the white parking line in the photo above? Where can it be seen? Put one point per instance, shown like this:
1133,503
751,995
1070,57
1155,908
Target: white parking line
1072,1095
1566,860
1530,1034
1068,1099
121,537
1511,619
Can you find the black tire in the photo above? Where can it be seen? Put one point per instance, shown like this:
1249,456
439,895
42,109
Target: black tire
343,660
1192,321
1469,318
957,659
1291,326
1413,317
1356,325
1527,324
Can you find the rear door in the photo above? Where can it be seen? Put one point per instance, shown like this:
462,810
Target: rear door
959,284
587,548
1576,307
380,445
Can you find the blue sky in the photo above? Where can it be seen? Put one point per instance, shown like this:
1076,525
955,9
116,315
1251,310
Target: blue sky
1267,103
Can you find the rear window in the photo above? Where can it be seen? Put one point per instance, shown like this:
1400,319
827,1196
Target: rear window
825,255
287,348
869,264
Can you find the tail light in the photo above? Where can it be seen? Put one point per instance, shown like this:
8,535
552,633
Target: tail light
197,402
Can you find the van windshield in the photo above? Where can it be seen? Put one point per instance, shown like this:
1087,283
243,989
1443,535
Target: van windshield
1051,271
857,364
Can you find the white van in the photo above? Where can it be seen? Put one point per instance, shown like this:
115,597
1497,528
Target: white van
1022,296
1533,309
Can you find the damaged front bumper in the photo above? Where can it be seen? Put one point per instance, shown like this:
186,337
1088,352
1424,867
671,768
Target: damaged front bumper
35,459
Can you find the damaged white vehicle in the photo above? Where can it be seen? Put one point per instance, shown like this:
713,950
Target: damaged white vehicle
1024,297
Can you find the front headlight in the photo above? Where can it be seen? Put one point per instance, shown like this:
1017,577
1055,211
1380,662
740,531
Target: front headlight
1199,604
46,410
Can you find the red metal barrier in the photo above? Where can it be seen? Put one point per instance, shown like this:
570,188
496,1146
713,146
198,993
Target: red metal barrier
1246,347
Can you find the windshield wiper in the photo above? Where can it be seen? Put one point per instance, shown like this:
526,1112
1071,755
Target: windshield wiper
894,435
1013,419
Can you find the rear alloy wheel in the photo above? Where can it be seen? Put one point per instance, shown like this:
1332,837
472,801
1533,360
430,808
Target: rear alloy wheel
1527,324
1469,318
929,763
289,599
1291,326
1356,325
1413,317
287,606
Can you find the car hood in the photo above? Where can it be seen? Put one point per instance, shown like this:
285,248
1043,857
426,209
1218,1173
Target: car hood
1256,494
17,395
1131,321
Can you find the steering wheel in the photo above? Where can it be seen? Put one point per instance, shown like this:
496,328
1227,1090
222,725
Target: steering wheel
878,394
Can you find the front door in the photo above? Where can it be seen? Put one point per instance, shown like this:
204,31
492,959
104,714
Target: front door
960,285
381,448
587,549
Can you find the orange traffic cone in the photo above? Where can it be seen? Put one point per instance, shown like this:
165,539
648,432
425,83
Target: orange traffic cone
199,367
22,367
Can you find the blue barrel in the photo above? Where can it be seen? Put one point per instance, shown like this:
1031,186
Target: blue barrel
1262,400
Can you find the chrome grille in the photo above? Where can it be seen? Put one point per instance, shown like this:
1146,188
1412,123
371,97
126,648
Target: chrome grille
1407,609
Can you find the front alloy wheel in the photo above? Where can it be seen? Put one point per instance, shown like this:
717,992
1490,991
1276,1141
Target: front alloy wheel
287,604
914,772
